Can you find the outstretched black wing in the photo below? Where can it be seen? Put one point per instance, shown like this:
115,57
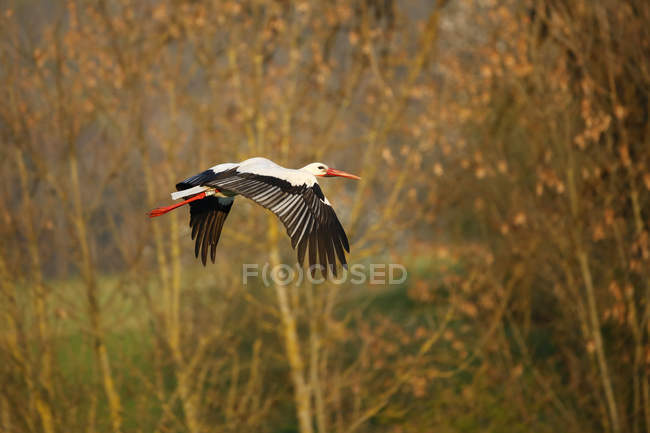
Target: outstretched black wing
206,221
303,209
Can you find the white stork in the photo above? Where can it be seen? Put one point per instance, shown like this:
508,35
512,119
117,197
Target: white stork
293,195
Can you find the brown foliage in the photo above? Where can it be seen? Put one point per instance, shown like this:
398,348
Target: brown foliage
504,149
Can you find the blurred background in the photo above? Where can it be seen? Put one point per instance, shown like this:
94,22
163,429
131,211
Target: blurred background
504,148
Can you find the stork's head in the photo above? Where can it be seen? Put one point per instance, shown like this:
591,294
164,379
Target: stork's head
322,170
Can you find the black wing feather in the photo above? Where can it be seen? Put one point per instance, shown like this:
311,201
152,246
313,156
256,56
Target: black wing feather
207,216
206,220
310,222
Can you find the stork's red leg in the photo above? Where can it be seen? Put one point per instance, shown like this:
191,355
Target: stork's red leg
163,210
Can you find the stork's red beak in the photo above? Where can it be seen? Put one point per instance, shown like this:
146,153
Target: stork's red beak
333,172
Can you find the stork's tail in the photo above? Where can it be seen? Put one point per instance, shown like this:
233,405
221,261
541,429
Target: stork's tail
163,210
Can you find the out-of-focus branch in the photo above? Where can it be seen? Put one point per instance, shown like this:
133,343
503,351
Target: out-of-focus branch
302,395
39,299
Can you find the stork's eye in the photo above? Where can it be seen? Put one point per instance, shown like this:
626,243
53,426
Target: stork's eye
320,167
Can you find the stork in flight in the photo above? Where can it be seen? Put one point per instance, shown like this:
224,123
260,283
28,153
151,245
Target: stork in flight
293,195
